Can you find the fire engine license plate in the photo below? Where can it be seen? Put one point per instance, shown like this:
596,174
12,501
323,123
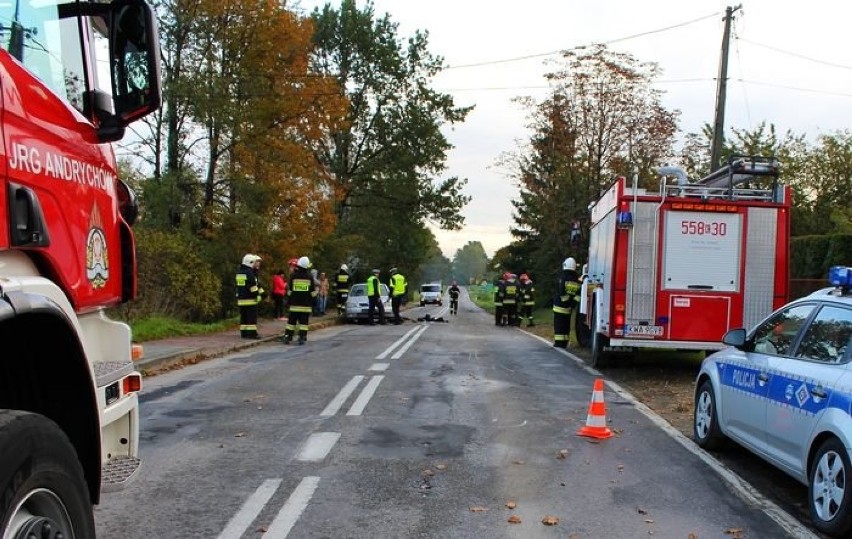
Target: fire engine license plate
649,331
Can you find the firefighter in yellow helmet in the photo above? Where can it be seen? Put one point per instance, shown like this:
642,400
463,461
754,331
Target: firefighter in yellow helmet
249,295
564,301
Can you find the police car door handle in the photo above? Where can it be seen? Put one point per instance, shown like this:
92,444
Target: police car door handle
819,392
762,378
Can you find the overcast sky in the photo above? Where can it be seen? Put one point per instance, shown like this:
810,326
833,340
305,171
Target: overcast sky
790,63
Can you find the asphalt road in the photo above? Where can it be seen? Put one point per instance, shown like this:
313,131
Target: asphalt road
427,429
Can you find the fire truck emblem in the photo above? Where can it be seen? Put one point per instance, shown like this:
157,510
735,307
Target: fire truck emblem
97,261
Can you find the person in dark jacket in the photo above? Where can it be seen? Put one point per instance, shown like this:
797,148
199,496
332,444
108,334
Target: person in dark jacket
526,303
498,299
249,295
374,298
454,292
300,294
564,301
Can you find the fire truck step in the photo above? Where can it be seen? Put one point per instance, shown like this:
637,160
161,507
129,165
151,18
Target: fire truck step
107,372
118,472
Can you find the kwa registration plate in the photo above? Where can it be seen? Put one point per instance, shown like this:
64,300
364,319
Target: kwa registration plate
644,331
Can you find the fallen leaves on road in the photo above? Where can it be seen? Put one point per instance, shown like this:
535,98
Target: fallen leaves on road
478,509
514,519
550,520
641,511
240,435
511,505
441,467
736,533
519,462
563,454
428,472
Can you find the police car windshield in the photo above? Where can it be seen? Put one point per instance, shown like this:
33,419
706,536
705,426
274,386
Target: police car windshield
431,288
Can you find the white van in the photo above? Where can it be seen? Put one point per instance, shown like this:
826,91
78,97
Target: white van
431,293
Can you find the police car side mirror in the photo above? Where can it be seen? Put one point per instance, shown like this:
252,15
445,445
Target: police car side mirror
735,338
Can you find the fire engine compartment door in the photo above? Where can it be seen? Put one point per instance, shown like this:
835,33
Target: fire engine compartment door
698,318
702,251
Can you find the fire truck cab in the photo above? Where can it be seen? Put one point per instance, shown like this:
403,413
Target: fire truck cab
677,268
73,75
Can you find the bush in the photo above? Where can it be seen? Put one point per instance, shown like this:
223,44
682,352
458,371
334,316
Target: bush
174,281
811,256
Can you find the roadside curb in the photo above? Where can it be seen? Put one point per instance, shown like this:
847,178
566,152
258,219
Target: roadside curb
168,356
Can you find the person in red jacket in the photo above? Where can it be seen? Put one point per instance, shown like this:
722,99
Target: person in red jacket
279,291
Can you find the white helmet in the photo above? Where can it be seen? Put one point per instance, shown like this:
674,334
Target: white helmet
344,267
249,259
569,264
303,262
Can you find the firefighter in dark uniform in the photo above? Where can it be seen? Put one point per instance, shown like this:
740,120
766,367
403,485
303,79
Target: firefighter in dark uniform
567,297
526,300
374,298
498,300
249,295
454,298
510,300
341,289
301,292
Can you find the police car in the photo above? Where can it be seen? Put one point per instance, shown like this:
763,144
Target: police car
784,392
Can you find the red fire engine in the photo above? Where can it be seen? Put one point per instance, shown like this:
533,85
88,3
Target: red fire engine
73,75
677,268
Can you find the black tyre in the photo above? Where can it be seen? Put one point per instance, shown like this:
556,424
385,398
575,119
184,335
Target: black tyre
599,358
705,421
582,330
44,493
829,491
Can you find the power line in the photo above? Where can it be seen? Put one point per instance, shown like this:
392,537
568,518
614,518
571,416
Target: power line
795,54
578,47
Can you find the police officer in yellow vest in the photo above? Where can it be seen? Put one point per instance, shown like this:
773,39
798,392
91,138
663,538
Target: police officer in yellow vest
566,298
374,298
249,295
398,287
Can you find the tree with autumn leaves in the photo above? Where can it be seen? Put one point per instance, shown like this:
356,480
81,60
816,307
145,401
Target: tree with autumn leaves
285,134
602,118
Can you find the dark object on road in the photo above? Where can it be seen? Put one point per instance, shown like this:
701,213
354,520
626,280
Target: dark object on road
429,318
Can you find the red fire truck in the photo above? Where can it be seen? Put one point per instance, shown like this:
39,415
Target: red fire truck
678,267
73,75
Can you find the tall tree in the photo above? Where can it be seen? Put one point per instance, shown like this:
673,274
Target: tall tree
602,118
388,159
470,262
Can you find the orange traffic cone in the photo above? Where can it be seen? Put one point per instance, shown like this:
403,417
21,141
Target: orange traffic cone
596,420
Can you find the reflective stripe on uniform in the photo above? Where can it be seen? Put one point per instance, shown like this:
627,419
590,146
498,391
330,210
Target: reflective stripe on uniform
562,310
560,338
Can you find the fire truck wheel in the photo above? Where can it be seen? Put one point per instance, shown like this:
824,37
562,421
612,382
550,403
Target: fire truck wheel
42,487
705,420
829,492
581,329
599,358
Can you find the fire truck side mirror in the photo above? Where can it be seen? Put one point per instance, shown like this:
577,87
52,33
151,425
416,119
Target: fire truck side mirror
134,54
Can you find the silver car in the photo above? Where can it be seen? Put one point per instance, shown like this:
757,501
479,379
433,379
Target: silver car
784,392
357,305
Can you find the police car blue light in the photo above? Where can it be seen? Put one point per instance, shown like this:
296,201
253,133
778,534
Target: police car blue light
784,391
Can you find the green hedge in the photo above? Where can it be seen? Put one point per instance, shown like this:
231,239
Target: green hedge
811,256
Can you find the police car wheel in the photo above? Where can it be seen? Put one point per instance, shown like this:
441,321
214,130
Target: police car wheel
44,491
829,491
705,424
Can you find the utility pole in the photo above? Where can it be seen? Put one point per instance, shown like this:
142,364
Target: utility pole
721,90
